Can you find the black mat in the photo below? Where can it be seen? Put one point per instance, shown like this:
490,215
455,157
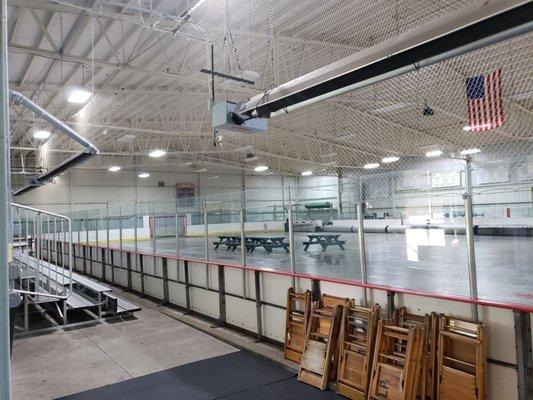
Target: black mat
233,376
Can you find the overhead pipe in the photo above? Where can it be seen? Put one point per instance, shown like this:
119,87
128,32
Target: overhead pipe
471,28
78,158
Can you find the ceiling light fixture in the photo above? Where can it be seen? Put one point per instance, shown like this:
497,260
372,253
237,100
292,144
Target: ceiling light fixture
200,170
41,134
434,153
261,168
390,159
307,173
371,166
114,168
79,96
157,153
143,175
467,152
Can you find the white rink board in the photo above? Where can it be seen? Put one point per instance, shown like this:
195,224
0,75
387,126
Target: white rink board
241,313
499,322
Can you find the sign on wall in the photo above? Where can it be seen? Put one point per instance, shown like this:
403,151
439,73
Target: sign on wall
412,181
495,174
446,179
185,194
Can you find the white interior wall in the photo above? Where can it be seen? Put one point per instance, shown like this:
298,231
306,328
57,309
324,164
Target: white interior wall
83,189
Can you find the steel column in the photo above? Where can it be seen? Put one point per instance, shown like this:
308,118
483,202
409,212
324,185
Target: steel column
164,265
390,303
141,270
206,243
472,275
291,247
524,358
177,235
187,287
243,251
128,268
154,231
221,296
5,211
362,248
103,264
258,308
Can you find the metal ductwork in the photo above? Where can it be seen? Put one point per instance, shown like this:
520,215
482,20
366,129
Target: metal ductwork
481,24
90,149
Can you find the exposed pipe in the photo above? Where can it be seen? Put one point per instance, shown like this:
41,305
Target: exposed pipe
19,99
471,28
5,211
78,158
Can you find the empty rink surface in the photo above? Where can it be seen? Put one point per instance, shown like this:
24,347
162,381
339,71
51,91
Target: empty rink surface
503,263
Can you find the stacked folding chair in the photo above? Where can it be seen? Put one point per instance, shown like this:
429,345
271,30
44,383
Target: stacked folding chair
461,360
397,362
428,377
297,319
321,344
356,348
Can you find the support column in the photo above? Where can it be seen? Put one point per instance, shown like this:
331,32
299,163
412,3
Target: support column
472,274
187,287
258,308
243,237
164,264
5,211
206,243
221,296
524,358
362,248
128,267
291,247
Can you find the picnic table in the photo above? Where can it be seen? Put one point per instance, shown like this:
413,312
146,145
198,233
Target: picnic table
324,240
269,243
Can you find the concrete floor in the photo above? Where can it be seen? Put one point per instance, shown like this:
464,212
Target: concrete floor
72,360
424,260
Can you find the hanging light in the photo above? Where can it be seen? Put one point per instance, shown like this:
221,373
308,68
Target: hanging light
143,175
434,153
371,166
41,134
156,153
390,159
79,96
307,173
261,168
467,152
114,168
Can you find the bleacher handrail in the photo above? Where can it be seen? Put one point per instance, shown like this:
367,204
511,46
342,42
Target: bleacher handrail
40,212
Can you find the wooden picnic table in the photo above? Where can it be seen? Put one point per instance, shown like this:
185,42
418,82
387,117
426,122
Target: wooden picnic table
324,240
269,243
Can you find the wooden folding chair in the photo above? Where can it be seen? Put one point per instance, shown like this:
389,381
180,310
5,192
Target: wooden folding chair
297,320
320,346
429,322
396,365
356,346
461,360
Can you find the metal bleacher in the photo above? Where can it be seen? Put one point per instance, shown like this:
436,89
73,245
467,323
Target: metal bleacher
85,294
51,282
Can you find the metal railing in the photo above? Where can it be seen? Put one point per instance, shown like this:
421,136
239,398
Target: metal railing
33,232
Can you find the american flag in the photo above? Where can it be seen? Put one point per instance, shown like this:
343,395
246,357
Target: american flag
485,102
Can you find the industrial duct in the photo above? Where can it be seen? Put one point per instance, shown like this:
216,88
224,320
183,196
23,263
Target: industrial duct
90,149
481,24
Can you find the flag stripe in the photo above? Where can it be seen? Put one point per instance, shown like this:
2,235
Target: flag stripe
485,101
